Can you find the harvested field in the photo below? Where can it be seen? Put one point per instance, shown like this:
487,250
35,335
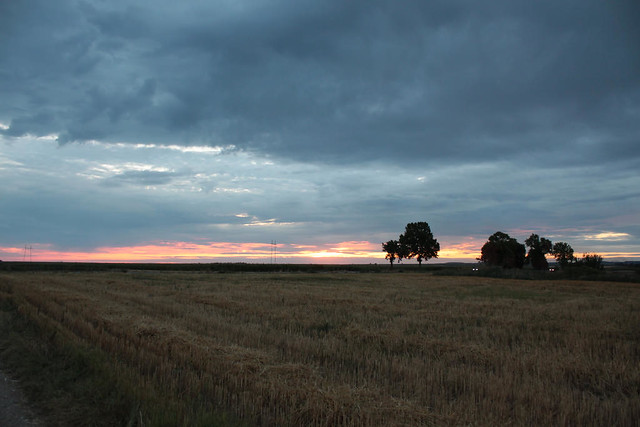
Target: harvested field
352,349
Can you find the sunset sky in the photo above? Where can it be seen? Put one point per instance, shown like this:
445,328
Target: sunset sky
203,131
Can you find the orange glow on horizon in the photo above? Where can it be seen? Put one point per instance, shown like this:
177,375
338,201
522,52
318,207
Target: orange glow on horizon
194,252
157,252
357,251
351,249
469,251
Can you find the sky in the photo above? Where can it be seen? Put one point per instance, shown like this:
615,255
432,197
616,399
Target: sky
205,131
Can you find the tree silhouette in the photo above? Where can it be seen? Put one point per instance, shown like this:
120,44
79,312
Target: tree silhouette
503,250
393,250
417,241
538,248
563,253
592,261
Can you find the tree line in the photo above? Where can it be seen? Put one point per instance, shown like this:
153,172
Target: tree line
504,251
500,250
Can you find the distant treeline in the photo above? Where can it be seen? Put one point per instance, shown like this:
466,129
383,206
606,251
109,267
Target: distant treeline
195,267
621,271
500,250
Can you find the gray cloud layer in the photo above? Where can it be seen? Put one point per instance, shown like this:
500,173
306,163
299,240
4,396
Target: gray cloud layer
331,80
473,116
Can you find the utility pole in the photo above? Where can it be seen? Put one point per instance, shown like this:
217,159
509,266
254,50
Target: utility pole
274,252
27,251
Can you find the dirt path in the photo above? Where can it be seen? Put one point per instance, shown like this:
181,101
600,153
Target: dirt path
14,411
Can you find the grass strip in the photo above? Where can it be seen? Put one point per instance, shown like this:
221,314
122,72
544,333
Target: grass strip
67,384
73,385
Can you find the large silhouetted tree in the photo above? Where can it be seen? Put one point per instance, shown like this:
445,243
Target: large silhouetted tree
563,253
503,251
538,248
418,241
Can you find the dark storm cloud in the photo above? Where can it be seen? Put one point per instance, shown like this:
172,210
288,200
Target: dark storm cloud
331,80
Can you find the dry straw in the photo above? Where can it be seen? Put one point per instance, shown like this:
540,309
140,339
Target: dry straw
365,349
